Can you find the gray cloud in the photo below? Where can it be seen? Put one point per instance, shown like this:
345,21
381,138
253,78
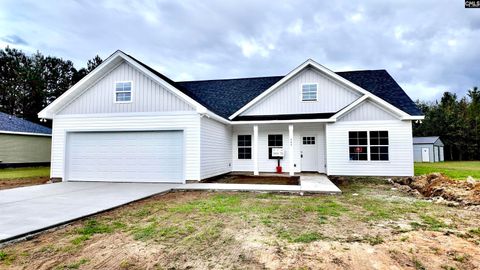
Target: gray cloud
428,46
14,40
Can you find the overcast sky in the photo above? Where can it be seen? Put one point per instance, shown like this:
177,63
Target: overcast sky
427,46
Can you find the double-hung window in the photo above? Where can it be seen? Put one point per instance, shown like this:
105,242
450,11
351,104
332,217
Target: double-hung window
372,145
244,143
274,141
378,145
123,92
309,92
358,145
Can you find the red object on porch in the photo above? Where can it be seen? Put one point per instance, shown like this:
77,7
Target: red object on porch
279,169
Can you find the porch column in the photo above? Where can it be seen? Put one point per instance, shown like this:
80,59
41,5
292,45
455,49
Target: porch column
255,149
290,149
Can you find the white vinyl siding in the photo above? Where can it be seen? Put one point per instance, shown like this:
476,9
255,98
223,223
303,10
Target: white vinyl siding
287,99
147,95
188,122
135,156
367,111
400,161
268,165
216,148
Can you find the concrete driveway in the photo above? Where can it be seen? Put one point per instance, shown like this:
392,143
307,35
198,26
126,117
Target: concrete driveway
30,209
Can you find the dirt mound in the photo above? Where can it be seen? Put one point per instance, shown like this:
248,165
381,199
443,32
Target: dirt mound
440,187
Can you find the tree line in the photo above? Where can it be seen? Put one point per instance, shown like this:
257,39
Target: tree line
456,121
28,83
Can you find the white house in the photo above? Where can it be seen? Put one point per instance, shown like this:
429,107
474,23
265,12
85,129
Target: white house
126,122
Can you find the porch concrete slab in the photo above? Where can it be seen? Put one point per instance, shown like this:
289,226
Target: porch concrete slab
312,183
27,210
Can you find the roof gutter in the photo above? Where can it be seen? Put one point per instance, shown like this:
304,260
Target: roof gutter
214,116
413,117
283,121
25,133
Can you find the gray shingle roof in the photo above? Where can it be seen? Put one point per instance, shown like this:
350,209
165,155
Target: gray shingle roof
425,140
11,123
225,97
382,85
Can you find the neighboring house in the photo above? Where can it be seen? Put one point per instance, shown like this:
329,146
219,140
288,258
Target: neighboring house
428,149
126,122
23,143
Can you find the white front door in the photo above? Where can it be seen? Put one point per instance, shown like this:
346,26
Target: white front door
425,155
309,153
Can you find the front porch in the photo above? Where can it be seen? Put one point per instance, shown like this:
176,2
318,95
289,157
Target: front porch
303,145
309,183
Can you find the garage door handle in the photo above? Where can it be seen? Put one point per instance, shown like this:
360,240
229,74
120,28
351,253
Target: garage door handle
301,155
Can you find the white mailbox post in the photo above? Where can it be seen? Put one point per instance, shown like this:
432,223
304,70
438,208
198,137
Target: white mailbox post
278,153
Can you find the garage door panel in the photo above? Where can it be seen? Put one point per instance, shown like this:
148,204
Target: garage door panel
125,156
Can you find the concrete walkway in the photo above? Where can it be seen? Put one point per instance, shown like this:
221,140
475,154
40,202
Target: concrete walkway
27,210
317,183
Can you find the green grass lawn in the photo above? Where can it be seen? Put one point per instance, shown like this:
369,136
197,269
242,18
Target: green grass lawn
17,173
454,169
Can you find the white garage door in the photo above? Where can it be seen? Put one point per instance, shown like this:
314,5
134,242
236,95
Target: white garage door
153,156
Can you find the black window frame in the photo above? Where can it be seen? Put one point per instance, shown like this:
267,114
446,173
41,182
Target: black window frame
358,140
374,143
379,145
244,146
274,141
308,140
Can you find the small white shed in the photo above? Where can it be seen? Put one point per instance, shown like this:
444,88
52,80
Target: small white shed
428,149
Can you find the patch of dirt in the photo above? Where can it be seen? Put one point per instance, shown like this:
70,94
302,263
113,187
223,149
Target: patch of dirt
23,182
441,188
254,179
411,250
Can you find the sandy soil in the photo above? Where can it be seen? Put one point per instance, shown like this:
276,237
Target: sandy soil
431,250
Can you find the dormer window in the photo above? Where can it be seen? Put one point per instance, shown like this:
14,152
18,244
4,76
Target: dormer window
123,92
309,92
